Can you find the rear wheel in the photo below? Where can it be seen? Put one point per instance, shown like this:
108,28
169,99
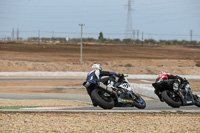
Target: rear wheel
102,98
170,99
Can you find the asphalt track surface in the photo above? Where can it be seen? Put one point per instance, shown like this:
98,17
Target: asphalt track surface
152,105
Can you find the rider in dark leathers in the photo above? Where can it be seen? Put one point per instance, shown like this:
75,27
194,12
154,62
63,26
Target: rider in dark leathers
164,76
94,76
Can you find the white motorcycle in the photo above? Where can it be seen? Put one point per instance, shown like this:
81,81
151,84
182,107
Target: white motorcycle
122,95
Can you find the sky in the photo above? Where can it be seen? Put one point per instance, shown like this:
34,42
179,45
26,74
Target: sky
157,19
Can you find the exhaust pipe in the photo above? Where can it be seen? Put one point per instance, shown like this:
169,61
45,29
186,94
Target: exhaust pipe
107,88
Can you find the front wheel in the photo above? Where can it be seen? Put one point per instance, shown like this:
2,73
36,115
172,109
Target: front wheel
102,98
197,100
170,99
139,102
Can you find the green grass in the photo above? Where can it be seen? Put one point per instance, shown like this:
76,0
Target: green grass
180,112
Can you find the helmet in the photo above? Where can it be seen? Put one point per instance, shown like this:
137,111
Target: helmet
97,66
162,73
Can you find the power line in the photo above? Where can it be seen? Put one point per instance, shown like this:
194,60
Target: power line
16,34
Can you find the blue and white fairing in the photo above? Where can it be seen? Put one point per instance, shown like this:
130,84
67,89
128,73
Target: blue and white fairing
126,85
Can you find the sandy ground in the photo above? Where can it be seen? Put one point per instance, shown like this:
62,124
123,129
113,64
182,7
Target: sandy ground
99,122
134,66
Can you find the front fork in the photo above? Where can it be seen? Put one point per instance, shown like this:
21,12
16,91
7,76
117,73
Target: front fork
180,94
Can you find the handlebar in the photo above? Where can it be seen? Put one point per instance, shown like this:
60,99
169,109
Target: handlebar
125,75
122,75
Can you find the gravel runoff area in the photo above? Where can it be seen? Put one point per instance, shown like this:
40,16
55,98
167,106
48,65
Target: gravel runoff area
34,122
99,123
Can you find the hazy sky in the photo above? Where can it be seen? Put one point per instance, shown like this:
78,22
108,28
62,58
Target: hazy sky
52,17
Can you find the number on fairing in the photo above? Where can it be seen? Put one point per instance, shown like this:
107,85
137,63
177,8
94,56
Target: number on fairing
125,85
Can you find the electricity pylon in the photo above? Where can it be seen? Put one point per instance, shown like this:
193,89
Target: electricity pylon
129,27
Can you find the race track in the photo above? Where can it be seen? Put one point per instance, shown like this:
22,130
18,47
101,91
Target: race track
152,105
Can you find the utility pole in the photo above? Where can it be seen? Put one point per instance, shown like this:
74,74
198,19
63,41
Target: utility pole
52,38
190,35
13,34
138,34
133,37
81,49
142,38
17,34
39,37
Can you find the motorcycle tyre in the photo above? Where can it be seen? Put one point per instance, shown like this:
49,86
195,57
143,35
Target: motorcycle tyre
197,103
169,101
138,105
101,102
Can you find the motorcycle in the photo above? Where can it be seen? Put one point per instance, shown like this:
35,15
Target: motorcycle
176,98
121,95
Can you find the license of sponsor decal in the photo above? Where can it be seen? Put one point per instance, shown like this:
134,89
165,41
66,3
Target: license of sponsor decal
127,100
188,101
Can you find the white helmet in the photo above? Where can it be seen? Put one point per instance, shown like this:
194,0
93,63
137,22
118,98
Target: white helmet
97,66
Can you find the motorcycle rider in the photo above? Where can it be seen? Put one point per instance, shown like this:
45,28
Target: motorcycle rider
94,77
163,77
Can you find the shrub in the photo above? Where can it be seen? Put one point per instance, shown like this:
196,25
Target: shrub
128,65
198,64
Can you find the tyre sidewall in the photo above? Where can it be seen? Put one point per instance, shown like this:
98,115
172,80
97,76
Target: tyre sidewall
101,102
170,101
197,103
139,105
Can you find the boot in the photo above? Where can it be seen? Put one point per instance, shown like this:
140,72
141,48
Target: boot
197,98
159,95
161,99
108,87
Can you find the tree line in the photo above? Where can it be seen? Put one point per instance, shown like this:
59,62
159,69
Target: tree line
103,40
116,41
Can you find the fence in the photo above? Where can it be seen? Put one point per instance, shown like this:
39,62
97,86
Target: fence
18,35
